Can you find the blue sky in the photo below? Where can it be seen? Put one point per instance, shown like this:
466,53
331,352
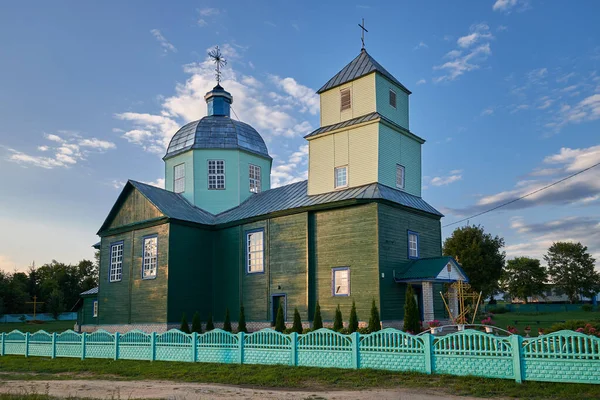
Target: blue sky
506,93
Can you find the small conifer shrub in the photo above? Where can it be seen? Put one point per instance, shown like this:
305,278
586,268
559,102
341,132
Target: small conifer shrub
317,321
297,327
411,312
242,321
353,322
338,320
196,323
227,322
374,321
210,325
185,328
279,321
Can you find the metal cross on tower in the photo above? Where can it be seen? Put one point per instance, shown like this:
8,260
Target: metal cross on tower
362,33
219,61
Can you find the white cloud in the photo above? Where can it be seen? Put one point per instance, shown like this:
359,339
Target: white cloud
455,175
97,144
488,111
295,170
164,43
305,96
421,45
159,183
43,148
421,82
54,138
466,63
479,33
507,6
208,11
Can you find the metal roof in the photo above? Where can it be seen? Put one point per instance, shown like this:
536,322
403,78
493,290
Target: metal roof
217,132
296,196
91,291
362,65
359,120
427,269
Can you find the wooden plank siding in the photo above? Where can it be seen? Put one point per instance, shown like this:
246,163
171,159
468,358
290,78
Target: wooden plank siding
135,208
394,224
226,272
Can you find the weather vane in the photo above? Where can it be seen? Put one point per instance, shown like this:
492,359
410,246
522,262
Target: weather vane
362,34
219,61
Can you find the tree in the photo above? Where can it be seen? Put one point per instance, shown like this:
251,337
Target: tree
353,322
227,323
338,320
209,323
297,327
242,320
571,269
196,323
411,312
479,255
374,321
280,321
317,320
185,327
524,277
56,304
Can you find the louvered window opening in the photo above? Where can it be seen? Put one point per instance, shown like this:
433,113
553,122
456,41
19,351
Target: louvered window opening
392,98
400,176
346,100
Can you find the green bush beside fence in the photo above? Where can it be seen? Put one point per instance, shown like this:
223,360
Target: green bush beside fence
563,356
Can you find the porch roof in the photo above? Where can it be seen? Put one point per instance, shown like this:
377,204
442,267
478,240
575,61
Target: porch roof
433,269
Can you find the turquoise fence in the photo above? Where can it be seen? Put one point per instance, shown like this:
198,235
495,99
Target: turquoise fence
564,356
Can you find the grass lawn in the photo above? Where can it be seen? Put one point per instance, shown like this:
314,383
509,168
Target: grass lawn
272,376
541,320
48,326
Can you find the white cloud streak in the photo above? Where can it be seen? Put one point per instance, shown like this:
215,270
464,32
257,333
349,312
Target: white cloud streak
164,43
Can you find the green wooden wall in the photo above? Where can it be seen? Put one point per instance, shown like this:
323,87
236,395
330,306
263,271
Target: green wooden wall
394,224
190,272
382,89
397,148
226,272
85,315
135,208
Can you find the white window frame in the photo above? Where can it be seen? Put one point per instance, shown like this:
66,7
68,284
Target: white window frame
413,245
216,178
342,93
255,251
395,99
149,257
115,273
400,176
95,309
254,176
179,181
340,281
336,173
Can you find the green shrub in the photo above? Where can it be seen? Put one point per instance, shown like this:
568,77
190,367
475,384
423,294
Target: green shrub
209,323
185,327
573,325
196,323
317,321
374,321
338,320
587,307
498,310
227,323
279,321
297,327
242,320
307,330
353,322
363,331
411,312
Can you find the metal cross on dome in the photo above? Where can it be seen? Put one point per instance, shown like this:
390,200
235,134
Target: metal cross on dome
362,34
219,61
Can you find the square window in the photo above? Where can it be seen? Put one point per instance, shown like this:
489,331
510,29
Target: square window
179,178
400,176
392,98
150,257
116,262
255,252
95,308
413,245
254,174
216,174
341,177
341,281
345,99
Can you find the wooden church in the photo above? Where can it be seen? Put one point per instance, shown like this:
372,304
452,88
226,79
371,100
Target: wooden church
218,236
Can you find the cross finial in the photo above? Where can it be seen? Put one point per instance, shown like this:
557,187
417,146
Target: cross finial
219,61
362,33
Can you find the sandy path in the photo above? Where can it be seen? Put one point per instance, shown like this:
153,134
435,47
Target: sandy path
102,389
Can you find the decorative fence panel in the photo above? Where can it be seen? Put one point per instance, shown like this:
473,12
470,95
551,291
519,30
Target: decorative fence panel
564,356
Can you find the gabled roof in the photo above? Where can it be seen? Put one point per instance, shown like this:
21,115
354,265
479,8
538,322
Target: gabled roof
362,65
91,291
431,269
362,119
172,205
296,195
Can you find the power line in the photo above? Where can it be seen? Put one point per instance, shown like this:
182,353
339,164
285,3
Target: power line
524,196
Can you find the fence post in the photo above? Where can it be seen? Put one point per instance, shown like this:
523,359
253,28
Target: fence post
53,345
194,346
355,350
27,344
428,347
241,336
294,344
117,335
517,347
83,338
153,346
3,344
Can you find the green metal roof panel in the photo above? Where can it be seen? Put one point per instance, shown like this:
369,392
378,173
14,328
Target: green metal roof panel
89,292
426,268
362,65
